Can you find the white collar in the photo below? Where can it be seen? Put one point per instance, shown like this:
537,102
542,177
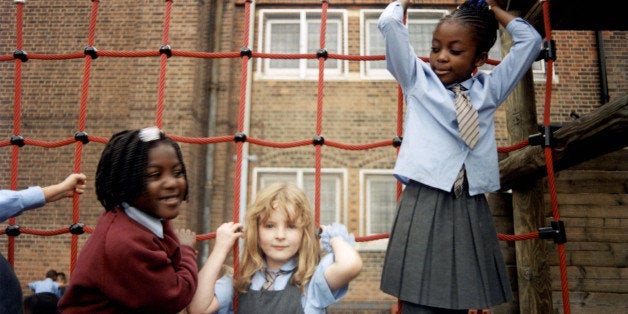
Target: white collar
153,224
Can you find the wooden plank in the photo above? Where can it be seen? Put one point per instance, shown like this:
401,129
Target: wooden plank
595,299
590,181
600,254
592,212
613,161
591,199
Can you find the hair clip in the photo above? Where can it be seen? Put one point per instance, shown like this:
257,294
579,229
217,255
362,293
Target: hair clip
150,134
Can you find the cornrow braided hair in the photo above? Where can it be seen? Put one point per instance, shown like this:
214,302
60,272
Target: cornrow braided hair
477,15
121,172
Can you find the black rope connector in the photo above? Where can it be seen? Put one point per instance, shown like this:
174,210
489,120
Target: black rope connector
17,140
246,51
548,51
240,137
322,53
77,228
555,232
546,137
318,140
165,49
20,54
561,234
397,141
81,136
13,231
91,51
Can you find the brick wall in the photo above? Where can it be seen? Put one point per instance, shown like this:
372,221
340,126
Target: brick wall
202,98
122,94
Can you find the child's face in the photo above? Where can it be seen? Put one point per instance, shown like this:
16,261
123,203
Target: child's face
279,239
165,183
453,56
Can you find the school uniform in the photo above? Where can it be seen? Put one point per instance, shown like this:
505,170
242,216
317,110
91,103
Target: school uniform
132,263
46,285
443,251
285,298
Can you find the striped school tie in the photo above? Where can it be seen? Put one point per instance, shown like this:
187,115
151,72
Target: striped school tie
469,128
271,276
468,122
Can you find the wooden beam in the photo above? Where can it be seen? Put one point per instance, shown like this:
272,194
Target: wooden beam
533,277
597,133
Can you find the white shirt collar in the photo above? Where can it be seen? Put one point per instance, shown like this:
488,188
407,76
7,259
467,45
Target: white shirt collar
153,224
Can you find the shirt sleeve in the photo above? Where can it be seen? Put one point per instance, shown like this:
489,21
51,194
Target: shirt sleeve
223,289
401,60
318,294
14,203
523,52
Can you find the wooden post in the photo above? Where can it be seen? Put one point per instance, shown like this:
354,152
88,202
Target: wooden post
533,276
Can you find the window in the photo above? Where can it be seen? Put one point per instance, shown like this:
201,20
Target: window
333,187
378,203
298,32
421,24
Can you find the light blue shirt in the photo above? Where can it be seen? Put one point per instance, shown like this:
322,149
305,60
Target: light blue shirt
14,203
432,151
46,285
317,295
151,223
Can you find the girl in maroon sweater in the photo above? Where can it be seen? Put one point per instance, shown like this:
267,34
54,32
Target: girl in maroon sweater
135,262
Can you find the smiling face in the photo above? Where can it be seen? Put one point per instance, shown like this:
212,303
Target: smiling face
279,239
165,183
454,54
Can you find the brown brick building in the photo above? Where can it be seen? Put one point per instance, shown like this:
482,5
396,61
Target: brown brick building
203,98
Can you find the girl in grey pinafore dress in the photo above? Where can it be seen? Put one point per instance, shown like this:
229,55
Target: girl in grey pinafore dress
443,253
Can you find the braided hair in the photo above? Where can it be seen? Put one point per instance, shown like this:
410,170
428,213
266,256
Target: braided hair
121,172
477,15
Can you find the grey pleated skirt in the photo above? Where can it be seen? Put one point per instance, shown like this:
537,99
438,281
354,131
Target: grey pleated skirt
444,252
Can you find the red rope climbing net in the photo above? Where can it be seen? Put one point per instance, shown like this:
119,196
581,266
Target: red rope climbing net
164,53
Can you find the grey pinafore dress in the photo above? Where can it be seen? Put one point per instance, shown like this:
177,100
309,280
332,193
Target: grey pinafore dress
444,252
287,300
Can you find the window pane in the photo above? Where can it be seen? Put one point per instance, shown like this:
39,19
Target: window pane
421,38
329,196
331,42
375,45
381,203
284,38
265,179
494,54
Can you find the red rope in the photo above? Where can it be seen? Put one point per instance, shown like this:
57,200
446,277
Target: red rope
245,62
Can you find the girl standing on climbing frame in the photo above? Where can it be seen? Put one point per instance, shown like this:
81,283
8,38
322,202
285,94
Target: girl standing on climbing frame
134,261
443,254
281,269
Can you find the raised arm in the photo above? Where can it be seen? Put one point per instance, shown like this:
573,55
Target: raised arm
205,300
73,183
502,16
347,262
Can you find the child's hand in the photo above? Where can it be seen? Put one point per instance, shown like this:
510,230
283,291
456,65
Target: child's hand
405,3
73,183
332,231
227,234
186,237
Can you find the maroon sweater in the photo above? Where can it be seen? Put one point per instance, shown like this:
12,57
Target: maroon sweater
125,268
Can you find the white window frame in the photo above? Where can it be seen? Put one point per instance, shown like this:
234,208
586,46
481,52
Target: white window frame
341,212
365,209
269,17
371,16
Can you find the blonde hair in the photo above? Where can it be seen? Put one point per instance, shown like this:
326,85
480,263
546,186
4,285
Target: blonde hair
295,205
